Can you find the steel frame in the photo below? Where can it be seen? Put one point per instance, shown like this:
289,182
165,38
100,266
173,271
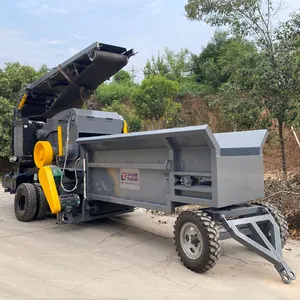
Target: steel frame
250,225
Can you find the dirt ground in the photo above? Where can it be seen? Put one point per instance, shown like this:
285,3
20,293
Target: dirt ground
272,152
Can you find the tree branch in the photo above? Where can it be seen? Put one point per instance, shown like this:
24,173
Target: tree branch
242,16
267,31
260,33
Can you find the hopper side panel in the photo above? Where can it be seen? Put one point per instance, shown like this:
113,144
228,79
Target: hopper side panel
240,179
154,162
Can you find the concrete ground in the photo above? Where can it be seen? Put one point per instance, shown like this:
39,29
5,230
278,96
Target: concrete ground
130,257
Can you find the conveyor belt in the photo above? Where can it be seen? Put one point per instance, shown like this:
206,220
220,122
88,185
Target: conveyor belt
69,84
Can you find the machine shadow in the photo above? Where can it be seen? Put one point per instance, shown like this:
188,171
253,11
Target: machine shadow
235,259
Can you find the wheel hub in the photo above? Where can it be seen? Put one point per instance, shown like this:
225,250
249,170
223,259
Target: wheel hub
191,241
195,241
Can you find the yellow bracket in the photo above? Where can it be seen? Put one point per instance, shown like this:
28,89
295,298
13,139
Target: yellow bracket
59,140
22,102
47,182
125,127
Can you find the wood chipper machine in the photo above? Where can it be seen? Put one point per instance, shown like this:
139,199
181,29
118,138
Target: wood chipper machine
82,165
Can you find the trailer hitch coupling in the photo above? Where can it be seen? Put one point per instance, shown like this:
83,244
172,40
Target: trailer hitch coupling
261,234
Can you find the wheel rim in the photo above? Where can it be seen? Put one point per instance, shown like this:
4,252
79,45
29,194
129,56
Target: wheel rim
191,240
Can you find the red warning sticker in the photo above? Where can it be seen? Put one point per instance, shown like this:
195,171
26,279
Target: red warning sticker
130,179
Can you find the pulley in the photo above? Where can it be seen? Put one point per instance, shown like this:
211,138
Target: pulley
43,154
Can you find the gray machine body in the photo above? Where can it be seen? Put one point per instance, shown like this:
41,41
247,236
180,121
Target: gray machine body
82,123
77,123
166,168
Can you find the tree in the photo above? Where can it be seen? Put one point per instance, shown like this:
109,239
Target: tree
134,122
278,82
205,65
122,77
290,46
154,97
273,80
219,59
13,78
6,109
236,61
248,18
173,66
238,108
177,67
121,90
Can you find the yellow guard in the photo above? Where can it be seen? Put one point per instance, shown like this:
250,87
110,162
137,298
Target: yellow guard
49,187
42,154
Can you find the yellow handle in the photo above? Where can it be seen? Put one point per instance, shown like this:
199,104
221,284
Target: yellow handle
23,100
125,127
59,139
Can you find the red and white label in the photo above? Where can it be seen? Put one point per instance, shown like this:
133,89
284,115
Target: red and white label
130,179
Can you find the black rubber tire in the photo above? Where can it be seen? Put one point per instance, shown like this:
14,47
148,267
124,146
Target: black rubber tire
210,236
25,203
42,204
279,219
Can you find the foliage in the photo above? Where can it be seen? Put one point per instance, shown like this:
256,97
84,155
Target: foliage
6,109
175,116
277,79
154,97
120,91
122,77
290,46
278,76
236,61
242,111
14,77
246,18
273,80
222,58
173,66
133,121
205,65
191,87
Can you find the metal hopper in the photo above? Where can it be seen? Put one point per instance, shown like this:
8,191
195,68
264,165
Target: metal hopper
177,166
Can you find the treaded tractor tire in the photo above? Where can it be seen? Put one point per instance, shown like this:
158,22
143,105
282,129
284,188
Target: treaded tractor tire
25,203
279,219
210,241
42,204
